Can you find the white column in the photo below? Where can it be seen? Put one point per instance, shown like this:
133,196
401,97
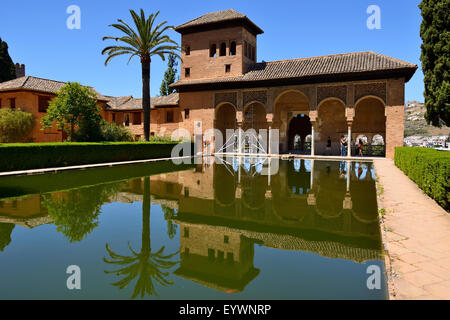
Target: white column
239,138
269,145
348,176
311,183
312,140
349,146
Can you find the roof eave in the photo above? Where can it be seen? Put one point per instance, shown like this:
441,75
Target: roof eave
406,73
244,21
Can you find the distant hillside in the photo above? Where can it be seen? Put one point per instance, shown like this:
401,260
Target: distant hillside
415,123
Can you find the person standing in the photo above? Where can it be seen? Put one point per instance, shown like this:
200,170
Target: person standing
343,143
360,147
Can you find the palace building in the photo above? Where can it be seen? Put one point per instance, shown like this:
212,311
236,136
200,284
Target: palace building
309,100
356,94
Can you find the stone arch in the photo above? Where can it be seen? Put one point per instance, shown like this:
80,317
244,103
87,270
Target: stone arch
225,117
286,105
370,120
254,116
299,125
331,122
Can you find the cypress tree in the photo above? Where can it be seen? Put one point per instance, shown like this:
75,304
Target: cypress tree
435,33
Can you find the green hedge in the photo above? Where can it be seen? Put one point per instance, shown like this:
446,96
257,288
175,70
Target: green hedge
429,169
23,156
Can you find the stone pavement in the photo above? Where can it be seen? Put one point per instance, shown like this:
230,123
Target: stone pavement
416,235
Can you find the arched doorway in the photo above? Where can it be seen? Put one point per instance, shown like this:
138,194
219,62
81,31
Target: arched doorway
370,121
299,129
331,124
254,117
288,103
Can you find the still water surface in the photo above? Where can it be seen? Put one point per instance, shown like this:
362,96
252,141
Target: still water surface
207,231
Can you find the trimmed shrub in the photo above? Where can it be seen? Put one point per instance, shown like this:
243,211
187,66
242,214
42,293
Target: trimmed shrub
25,156
429,169
112,132
15,125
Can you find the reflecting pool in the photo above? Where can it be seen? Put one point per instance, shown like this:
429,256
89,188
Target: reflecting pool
215,230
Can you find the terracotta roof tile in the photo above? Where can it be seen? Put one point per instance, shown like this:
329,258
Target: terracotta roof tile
39,84
358,62
218,17
130,103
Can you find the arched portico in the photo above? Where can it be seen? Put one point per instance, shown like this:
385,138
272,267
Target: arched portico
370,121
288,104
331,123
299,126
225,117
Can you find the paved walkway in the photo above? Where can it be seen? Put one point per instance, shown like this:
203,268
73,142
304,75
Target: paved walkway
416,236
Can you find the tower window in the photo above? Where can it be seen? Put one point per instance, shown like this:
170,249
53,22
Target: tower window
245,49
187,51
233,48
213,51
186,113
223,49
227,67
187,72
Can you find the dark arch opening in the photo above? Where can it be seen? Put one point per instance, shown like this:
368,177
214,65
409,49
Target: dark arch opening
299,126
212,51
223,49
233,48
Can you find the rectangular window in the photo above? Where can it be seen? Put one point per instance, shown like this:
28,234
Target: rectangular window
187,72
169,116
228,68
186,113
211,254
12,103
136,118
186,232
113,117
226,239
44,101
220,255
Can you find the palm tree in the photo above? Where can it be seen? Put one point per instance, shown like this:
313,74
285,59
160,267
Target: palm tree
146,265
145,41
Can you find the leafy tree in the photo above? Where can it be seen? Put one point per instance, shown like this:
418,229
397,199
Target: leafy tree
5,234
75,212
435,33
7,68
169,76
146,265
15,125
75,107
145,41
169,215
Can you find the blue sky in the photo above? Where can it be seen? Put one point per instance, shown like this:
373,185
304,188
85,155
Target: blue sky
37,35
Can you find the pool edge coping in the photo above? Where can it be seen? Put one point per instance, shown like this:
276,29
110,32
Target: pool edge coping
389,272
85,166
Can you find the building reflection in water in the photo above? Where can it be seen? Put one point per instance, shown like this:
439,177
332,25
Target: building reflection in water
222,210
328,208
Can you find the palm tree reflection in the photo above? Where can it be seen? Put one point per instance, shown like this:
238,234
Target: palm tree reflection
146,266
